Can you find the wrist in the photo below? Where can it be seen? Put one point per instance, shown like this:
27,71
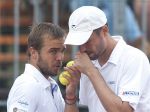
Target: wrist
92,71
70,100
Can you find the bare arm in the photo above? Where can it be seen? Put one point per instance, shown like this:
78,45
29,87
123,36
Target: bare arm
71,108
110,101
70,98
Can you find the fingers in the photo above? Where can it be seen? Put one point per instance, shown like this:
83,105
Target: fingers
75,75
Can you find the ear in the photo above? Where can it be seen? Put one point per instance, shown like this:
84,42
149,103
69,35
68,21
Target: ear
105,29
34,53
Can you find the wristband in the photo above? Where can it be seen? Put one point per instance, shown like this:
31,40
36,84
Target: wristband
70,101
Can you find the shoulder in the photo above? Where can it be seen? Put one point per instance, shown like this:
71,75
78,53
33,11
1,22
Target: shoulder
24,94
132,53
26,86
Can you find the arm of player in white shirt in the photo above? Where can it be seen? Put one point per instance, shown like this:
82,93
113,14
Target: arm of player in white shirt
110,101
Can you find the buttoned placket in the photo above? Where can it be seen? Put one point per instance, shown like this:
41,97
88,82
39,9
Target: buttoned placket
53,90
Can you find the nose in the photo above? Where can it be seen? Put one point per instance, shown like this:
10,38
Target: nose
60,56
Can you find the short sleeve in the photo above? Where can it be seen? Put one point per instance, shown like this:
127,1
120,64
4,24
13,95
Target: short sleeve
25,99
134,79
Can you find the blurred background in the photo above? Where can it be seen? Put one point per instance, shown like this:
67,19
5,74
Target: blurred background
129,18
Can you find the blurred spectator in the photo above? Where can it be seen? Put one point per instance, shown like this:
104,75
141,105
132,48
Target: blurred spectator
40,9
138,7
133,34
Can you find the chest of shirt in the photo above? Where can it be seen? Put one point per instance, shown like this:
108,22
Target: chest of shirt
49,102
111,75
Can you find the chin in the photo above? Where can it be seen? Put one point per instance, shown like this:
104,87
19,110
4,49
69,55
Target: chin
93,58
53,74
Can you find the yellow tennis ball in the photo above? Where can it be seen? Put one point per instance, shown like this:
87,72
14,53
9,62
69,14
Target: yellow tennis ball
62,79
70,63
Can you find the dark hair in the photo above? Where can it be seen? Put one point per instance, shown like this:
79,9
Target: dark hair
98,30
38,32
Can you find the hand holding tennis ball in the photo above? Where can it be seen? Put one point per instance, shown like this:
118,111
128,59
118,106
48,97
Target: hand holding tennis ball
70,63
62,79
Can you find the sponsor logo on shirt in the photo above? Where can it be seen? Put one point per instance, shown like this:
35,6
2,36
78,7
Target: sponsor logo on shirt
111,82
15,109
131,93
73,27
23,103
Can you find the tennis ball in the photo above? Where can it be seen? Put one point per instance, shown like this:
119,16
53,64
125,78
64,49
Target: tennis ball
62,79
70,63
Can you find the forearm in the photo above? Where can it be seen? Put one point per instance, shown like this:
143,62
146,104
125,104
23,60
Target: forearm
71,108
70,105
110,101
71,99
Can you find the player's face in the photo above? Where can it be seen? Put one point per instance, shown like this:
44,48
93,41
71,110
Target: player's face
95,46
51,56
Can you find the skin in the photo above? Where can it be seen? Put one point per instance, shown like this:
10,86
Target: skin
49,61
101,50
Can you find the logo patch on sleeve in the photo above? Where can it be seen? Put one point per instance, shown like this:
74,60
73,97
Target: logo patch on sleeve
131,93
15,109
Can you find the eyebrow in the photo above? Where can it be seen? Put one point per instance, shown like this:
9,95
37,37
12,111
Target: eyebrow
62,49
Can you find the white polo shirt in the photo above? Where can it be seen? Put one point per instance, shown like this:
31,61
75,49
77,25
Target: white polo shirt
31,92
127,73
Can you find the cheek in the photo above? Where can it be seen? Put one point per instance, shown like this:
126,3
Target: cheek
98,47
46,59
49,59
